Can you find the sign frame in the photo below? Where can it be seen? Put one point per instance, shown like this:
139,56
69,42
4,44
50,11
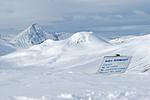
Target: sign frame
113,59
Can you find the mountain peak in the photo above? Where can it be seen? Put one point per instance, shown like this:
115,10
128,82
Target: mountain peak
81,37
86,37
35,25
33,35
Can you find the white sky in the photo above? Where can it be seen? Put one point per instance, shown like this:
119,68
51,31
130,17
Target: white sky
75,15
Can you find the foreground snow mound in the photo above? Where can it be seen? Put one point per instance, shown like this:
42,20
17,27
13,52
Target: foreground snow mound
5,48
33,35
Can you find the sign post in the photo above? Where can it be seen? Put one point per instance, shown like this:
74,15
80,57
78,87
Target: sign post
114,64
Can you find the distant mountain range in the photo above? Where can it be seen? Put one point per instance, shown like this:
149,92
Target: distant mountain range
34,35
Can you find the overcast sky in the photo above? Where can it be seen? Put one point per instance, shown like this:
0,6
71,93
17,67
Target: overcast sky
76,15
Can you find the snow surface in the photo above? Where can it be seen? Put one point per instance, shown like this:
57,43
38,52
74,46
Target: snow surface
5,48
66,70
138,47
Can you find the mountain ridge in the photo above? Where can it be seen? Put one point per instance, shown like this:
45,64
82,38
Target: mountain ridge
33,35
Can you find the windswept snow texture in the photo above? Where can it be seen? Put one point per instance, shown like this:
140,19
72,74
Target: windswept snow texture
66,70
33,35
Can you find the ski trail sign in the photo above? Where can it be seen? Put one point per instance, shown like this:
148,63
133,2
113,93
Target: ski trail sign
114,64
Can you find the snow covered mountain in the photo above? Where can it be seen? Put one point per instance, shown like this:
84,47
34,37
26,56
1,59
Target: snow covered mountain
85,43
77,45
33,35
6,37
86,37
5,48
66,70
58,36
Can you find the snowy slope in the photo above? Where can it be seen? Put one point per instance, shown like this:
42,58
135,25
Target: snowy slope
33,35
138,47
66,70
6,37
83,44
5,47
80,44
124,39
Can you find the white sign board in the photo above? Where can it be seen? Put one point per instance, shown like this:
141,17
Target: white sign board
114,64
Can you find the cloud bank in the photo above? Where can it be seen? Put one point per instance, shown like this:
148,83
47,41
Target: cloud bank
75,15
